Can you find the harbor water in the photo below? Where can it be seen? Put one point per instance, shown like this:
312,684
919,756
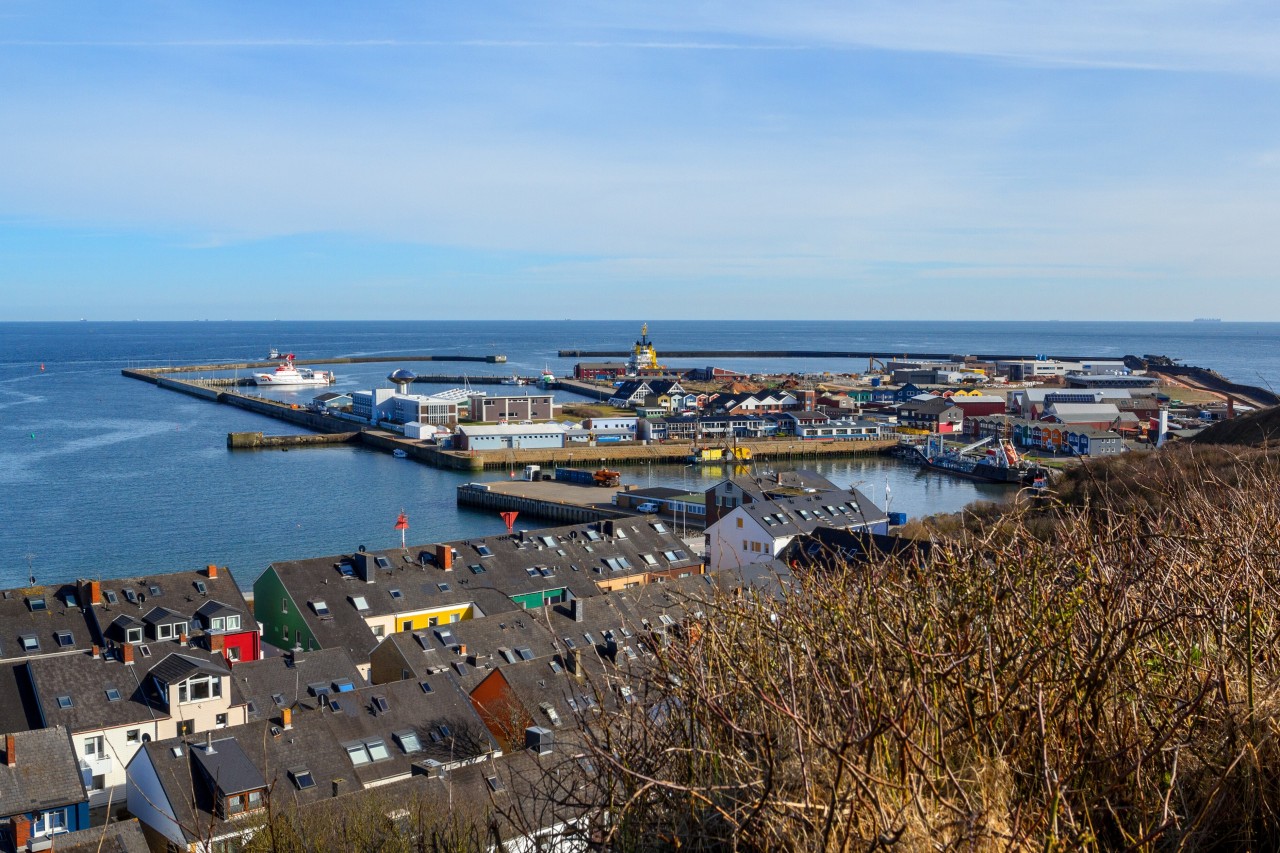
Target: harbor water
103,476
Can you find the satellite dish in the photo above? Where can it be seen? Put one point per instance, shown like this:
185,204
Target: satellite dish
361,549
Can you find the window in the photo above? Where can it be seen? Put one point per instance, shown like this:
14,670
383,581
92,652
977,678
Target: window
94,746
132,735
233,652
358,754
649,559
494,783
483,551
155,590
380,704
525,653
343,685
71,600
476,569
220,721
64,702
187,727
233,623
164,632
739,522
444,587
360,603
426,687
37,604
217,623
200,688
30,643
408,740
201,588
113,695
111,597
378,749
455,617
380,631
302,778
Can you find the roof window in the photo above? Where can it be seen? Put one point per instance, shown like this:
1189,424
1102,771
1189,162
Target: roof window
302,778
37,604
360,603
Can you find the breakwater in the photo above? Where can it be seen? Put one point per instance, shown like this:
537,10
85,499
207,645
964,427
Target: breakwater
258,441
802,353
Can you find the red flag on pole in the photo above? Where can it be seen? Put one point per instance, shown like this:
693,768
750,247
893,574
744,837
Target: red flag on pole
402,524
510,519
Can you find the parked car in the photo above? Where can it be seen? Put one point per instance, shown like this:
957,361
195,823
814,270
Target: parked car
647,506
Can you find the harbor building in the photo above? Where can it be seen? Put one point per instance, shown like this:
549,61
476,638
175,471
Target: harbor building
524,407
509,436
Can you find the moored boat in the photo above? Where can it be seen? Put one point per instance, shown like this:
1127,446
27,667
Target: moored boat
288,374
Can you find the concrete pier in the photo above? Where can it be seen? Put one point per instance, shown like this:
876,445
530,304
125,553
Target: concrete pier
559,502
258,441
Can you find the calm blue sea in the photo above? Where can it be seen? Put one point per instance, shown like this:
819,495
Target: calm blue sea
106,476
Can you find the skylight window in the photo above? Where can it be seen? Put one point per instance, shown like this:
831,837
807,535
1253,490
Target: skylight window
378,749
445,730
130,596
201,588
381,705
525,653
593,535
659,527
30,643
507,655
320,607
65,639
113,695
397,594
495,784
549,541
64,702
569,643
346,570
37,604
555,666
278,698
343,685
111,597
155,590
426,687
444,587
476,569
547,571
670,555
382,562
531,571
649,559
358,753
71,600
302,778
360,603
408,741
483,550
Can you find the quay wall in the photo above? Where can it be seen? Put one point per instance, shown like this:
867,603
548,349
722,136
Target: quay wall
469,494
188,388
256,440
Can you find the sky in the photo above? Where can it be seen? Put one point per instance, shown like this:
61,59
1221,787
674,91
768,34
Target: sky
986,159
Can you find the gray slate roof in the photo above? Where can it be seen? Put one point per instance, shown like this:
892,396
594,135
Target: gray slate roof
785,516
46,775
121,836
288,676
18,620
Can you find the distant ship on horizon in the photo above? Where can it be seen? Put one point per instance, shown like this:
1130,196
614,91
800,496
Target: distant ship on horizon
1207,320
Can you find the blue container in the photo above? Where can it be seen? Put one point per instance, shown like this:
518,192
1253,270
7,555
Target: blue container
875,381
897,518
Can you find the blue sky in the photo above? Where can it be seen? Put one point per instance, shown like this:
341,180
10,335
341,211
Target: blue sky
878,160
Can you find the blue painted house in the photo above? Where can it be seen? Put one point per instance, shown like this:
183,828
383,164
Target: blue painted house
42,790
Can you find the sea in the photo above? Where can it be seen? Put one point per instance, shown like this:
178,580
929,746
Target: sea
103,476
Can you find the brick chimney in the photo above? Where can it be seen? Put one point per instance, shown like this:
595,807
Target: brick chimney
127,652
21,831
575,663
182,639
90,593
444,557
211,571
97,651
217,642
286,717
10,752
575,609
462,649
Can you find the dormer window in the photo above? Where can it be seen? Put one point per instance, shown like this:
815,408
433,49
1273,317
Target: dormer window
217,623
133,635
200,688
233,623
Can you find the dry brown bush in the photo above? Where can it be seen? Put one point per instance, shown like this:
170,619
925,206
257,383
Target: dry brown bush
1097,675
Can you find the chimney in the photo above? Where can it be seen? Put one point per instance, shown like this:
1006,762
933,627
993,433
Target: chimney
182,639
127,650
90,593
574,663
10,751
286,717
575,609
21,831
217,642
462,649
444,557
211,571
208,743
97,651
606,527
365,567
337,787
